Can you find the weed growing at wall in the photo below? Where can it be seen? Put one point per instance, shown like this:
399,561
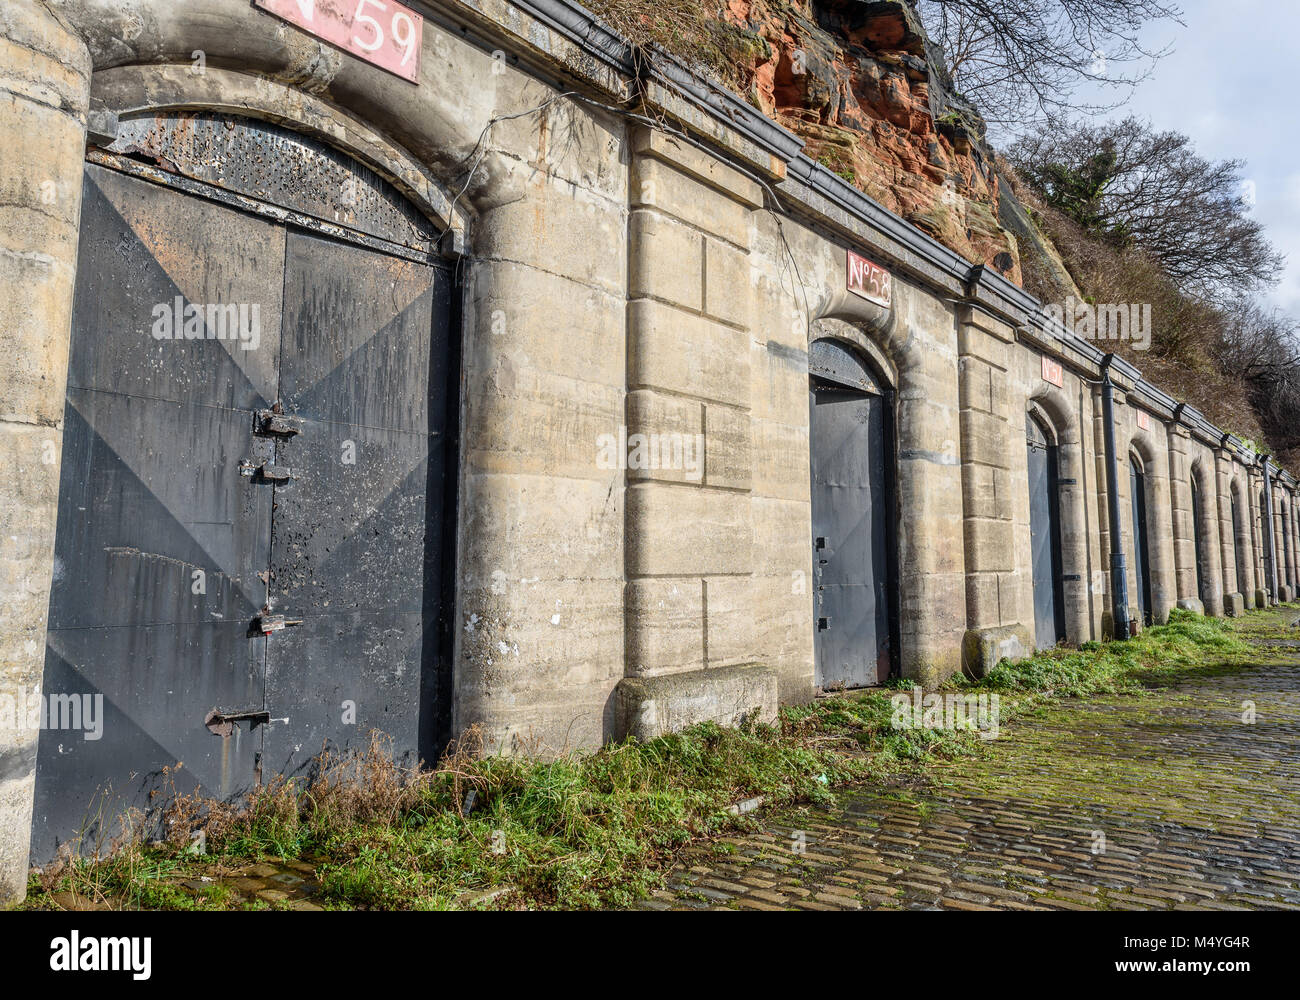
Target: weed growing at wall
589,829
581,830
1157,656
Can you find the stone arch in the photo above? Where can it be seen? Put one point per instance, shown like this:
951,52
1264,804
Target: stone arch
1260,520
1052,409
1283,553
1205,534
1056,409
439,122
859,341
1243,538
138,248
137,91
928,483
1293,506
848,371
1160,542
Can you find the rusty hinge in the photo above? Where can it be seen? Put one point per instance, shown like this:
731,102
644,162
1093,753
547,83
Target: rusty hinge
267,624
266,472
223,723
274,423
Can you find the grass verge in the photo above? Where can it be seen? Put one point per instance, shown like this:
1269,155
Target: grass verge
595,829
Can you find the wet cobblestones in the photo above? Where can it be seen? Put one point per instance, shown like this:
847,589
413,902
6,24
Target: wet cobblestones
1169,801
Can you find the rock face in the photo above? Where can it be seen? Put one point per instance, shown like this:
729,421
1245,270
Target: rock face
859,81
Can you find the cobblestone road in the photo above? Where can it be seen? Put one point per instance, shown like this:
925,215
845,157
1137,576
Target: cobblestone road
1163,802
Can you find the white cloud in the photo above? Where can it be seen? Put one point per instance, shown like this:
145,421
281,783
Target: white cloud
1226,84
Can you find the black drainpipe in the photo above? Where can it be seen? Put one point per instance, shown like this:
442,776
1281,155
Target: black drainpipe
1270,553
1118,568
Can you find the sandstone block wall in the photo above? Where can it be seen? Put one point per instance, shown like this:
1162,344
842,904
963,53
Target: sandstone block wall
640,255
690,595
44,97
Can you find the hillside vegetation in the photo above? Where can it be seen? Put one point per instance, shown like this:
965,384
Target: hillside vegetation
1102,212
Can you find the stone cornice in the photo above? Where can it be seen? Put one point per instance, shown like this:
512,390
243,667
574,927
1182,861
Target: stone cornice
566,40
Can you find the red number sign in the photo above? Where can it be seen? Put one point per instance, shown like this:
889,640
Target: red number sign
382,32
869,280
1054,373
1144,420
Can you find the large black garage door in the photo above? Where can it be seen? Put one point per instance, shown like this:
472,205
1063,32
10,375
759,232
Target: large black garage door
252,520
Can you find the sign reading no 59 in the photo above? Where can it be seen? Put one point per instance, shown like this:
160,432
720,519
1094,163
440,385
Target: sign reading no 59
382,32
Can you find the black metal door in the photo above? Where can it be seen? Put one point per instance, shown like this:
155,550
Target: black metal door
1141,549
1268,551
1045,538
1197,514
160,540
1237,535
357,534
179,540
1286,548
851,536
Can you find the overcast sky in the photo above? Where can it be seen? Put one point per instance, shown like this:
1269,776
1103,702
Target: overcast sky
1230,85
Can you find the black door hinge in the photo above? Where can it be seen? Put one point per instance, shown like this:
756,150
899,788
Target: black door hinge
276,424
265,624
266,472
223,723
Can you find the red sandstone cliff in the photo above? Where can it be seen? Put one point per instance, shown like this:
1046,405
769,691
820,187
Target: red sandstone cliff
857,80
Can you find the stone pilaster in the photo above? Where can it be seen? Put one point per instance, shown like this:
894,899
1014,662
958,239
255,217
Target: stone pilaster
44,97
1182,519
689,599
995,504
540,567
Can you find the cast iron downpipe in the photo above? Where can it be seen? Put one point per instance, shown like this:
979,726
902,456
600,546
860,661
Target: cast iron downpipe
1270,553
1118,568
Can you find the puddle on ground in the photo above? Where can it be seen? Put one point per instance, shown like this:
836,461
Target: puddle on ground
290,884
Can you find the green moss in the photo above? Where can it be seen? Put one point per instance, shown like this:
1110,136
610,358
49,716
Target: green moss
600,829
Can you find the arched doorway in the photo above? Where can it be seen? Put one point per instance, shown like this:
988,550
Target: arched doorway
255,500
1239,548
1198,522
1141,543
854,538
1045,535
1264,523
1288,566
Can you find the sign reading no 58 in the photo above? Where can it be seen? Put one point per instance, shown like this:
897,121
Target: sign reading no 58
382,32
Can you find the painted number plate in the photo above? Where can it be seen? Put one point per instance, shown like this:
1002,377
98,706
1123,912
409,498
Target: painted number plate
1053,373
382,32
870,281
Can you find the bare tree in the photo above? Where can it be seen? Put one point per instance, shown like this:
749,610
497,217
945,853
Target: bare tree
1021,62
1259,344
1149,190
1263,347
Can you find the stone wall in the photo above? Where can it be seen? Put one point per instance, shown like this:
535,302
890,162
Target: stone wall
641,254
44,94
